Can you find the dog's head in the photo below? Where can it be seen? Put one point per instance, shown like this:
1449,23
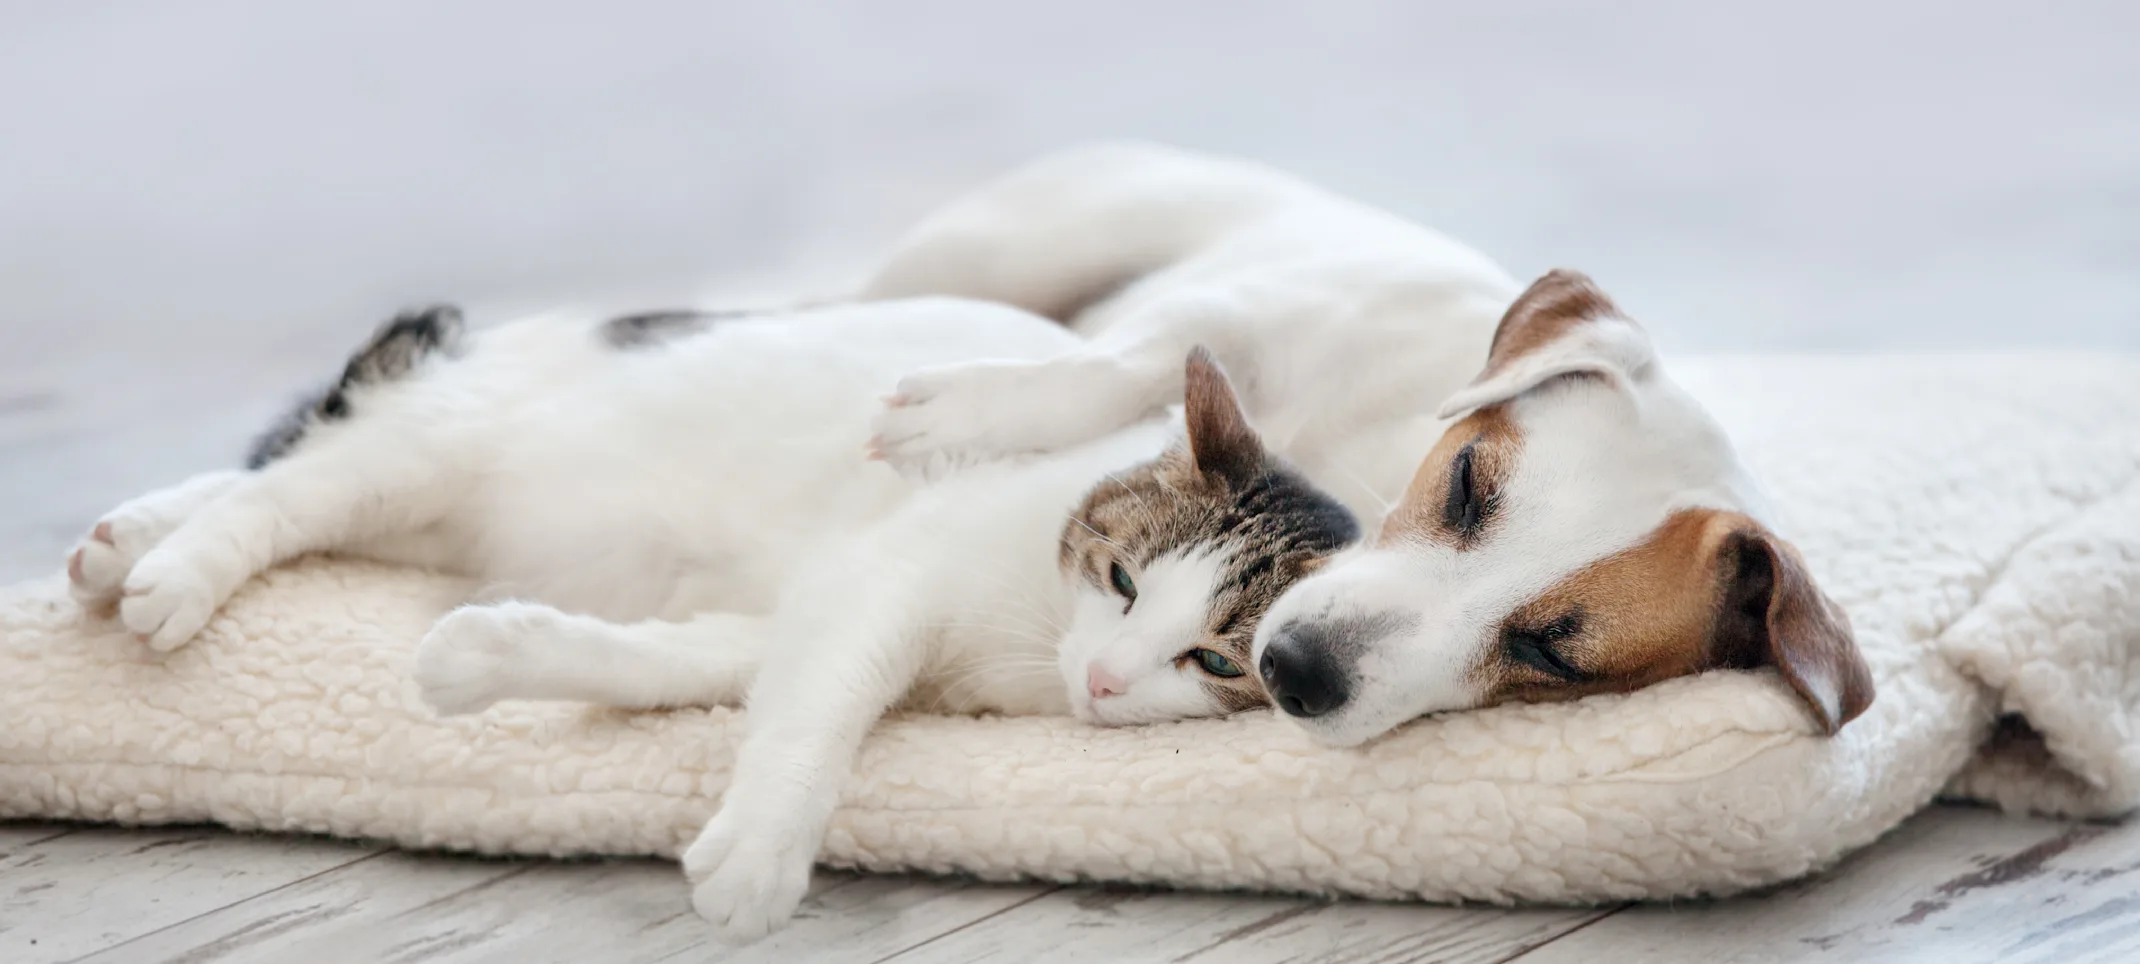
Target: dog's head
1583,527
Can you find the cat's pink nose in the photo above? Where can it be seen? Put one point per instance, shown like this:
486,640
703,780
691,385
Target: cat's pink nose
1100,682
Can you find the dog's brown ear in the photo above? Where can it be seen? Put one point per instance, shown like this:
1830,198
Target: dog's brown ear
1773,615
1225,447
1561,325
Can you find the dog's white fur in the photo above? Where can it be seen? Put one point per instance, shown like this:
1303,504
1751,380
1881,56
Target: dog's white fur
1344,327
1358,340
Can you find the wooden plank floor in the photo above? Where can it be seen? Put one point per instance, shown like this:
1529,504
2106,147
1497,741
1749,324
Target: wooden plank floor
1953,885
184,252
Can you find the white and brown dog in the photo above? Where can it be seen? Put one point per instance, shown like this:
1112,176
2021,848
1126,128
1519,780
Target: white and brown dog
1571,521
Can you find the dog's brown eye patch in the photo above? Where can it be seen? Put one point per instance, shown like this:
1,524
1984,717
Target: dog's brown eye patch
1625,621
1456,493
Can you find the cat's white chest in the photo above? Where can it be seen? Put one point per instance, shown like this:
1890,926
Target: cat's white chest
1000,657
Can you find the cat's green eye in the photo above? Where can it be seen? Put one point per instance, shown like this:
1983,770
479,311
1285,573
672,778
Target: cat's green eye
1120,577
1214,663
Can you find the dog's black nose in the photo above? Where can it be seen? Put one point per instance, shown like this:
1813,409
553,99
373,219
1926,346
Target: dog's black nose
1302,673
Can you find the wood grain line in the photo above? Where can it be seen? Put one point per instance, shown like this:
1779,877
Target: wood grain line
984,918
272,890
1563,935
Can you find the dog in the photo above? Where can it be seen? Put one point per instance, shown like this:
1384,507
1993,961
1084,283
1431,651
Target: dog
1570,521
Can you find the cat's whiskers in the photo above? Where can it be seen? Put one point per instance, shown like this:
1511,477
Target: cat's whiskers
1096,534
1011,631
1126,487
976,678
1025,597
1020,595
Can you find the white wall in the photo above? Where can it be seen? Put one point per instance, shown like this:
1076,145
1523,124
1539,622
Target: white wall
1821,175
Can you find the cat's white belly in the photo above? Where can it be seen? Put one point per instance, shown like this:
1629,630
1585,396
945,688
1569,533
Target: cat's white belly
704,546
684,478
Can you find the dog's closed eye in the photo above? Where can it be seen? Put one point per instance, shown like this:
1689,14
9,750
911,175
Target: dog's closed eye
1543,647
1468,504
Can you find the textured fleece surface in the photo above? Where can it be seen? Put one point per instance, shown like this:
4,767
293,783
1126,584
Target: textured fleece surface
1978,517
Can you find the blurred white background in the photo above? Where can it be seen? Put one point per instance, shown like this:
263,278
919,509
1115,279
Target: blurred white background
204,202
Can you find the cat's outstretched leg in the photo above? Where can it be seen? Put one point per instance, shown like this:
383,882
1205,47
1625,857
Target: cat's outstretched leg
351,487
478,655
98,564
345,467
824,685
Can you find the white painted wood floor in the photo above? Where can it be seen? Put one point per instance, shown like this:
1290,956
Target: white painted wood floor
1953,885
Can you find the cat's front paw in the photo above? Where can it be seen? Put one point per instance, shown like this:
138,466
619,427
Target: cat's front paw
167,599
749,876
939,418
97,567
475,656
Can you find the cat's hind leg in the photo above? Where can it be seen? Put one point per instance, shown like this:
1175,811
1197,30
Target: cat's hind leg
354,488
478,655
98,563
349,467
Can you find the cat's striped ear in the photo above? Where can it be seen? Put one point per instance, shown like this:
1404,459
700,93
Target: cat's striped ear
1224,446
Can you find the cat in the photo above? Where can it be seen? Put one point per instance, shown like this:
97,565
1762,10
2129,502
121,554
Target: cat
679,509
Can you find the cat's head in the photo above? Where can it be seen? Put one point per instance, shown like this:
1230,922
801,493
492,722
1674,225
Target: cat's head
1175,561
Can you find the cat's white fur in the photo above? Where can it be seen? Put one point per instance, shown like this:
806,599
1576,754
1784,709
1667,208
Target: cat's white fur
677,522
664,505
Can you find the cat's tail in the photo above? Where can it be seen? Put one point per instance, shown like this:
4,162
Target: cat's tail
1064,232
397,348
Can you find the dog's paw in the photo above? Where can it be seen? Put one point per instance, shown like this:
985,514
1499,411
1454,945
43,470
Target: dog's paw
939,418
167,599
748,880
477,655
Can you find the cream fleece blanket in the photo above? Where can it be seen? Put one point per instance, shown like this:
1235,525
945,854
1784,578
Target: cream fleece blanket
1979,518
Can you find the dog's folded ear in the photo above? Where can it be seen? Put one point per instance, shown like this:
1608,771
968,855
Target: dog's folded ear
1773,615
1223,444
1561,325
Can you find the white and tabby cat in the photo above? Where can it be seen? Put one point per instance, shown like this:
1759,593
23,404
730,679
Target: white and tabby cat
682,506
